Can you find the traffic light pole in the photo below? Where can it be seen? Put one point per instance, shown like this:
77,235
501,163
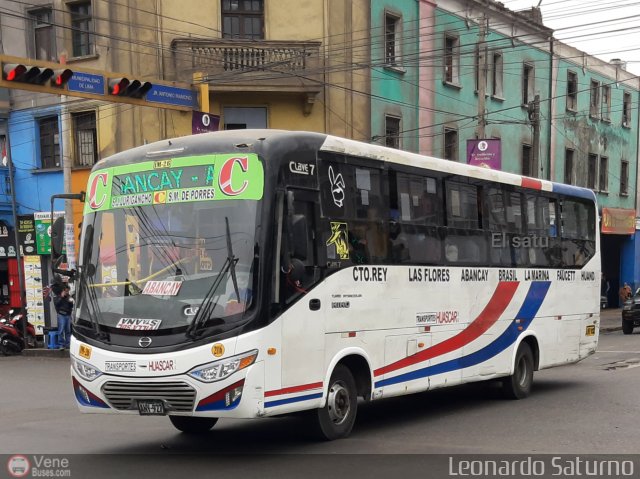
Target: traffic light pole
67,160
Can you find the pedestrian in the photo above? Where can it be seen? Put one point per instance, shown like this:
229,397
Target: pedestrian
64,306
625,292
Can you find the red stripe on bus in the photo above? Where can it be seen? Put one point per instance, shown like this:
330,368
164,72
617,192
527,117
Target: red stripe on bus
530,183
293,389
490,314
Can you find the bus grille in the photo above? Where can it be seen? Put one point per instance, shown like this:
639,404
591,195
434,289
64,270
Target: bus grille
178,396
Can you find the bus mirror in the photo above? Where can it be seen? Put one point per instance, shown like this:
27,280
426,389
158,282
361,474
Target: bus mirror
90,270
299,230
57,237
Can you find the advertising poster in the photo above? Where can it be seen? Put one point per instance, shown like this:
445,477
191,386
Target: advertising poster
33,291
42,222
485,153
27,235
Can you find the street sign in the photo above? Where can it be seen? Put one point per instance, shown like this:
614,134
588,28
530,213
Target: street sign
172,96
86,83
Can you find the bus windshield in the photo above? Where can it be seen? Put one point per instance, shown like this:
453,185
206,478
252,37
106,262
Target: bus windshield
160,239
150,267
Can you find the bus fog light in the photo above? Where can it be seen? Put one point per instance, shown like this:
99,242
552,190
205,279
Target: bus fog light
224,368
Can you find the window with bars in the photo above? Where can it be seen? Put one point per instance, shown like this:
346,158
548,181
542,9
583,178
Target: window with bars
243,19
606,102
595,99
497,75
84,127
626,109
572,91
81,29
49,142
528,83
451,59
451,144
391,43
41,34
624,178
592,166
603,174
527,160
568,166
392,131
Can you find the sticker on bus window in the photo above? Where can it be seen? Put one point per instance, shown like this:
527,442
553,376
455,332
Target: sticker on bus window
339,237
162,288
139,324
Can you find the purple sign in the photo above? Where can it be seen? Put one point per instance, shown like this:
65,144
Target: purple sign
204,122
484,153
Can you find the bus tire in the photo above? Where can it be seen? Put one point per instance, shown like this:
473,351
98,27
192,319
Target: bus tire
192,424
335,420
627,327
518,385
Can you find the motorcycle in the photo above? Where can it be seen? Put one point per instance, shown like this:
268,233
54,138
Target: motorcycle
11,330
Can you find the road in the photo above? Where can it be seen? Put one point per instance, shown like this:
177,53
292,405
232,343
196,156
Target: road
588,408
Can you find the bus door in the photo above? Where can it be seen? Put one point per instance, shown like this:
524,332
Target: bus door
303,338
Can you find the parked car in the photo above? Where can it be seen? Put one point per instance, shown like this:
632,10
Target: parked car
631,313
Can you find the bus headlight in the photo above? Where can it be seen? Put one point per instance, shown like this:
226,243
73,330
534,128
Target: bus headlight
85,370
212,372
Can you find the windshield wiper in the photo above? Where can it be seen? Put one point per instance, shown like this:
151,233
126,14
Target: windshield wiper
207,303
88,283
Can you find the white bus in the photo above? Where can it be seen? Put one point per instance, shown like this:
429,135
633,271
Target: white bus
252,273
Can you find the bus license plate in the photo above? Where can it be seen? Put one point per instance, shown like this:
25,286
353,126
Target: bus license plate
149,407
591,330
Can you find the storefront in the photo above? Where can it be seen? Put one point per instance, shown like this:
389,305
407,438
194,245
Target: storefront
620,252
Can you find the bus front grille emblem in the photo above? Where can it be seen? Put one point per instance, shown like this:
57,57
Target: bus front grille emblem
144,342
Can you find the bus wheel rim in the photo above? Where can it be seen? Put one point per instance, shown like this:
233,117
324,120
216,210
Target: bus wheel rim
339,403
522,372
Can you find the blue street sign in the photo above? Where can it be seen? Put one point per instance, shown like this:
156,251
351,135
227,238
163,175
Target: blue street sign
172,96
86,83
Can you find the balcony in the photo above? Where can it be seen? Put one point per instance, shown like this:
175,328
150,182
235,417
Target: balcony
250,66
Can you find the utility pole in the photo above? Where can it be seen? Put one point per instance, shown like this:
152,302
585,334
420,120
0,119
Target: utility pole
16,238
482,77
534,117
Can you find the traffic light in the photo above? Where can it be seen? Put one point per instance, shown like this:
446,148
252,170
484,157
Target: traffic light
61,77
129,88
26,73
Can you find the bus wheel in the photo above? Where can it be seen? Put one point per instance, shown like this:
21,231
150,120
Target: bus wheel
518,385
335,420
193,425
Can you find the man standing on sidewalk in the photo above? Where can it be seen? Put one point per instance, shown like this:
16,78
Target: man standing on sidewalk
64,306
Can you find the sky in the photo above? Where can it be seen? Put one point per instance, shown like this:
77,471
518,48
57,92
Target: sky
604,28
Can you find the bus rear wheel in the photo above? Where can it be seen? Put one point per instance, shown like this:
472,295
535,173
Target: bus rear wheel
518,385
335,420
193,425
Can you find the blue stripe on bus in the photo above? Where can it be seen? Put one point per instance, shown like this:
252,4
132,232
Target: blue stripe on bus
280,402
533,301
574,191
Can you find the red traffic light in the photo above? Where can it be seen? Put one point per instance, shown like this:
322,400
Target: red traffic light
129,88
13,71
61,77
26,73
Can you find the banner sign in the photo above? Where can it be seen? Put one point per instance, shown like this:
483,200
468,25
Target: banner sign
178,180
33,291
485,153
7,242
618,221
202,122
42,222
27,235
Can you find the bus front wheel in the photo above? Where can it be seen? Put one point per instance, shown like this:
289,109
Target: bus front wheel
193,425
335,420
518,385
